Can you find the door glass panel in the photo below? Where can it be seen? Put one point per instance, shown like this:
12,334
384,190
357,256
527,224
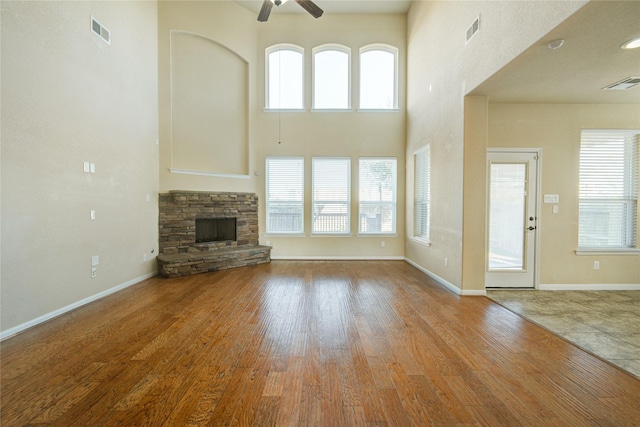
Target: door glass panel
507,216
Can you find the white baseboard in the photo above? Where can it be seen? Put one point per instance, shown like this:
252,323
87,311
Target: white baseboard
338,258
589,287
31,323
450,286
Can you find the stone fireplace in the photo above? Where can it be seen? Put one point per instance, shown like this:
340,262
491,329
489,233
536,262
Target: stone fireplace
207,231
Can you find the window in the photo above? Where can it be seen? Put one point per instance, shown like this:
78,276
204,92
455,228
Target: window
608,190
331,71
377,195
378,77
285,194
331,195
284,77
422,194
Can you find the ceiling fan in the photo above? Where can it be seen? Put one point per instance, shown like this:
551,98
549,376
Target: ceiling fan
307,5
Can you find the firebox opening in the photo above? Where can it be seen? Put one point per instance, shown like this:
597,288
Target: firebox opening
215,230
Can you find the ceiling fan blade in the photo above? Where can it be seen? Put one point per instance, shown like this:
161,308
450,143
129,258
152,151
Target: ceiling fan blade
311,7
265,10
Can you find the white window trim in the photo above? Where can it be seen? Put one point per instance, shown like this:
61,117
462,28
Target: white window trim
394,202
386,48
267,52
348,202
283,233
323,48
413,237
588,250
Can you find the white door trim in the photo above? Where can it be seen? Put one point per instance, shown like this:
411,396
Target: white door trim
538,197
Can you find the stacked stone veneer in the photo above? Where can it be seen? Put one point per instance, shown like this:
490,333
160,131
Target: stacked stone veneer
180,255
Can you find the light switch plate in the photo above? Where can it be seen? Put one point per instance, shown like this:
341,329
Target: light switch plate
551,198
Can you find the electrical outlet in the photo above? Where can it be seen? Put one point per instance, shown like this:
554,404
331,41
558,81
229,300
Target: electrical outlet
93,214
383,244
94,272
446,262
596,265
86,167
144,257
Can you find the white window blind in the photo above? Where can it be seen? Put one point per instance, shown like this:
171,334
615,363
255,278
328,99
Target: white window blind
285,195
331,85
285,76
422,194
331,195
608,190
377,209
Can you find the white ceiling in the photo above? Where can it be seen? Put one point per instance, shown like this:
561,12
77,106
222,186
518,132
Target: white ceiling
589,60
336,6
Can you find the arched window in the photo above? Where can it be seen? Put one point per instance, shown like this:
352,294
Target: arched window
284,65
331,77
379,77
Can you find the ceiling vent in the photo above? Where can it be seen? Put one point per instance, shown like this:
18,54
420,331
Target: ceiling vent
100,31
473,29
624,84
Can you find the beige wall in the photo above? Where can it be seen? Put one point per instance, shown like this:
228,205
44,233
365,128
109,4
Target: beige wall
349,134
556,129
304,133
68,97
441,71
222,26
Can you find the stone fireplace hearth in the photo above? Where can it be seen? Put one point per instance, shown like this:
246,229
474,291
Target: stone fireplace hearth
208,231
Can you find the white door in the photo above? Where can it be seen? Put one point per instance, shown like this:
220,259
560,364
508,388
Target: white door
511,219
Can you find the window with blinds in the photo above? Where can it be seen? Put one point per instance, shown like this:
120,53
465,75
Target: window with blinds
608,190
330,208
285,195
422,194
377,208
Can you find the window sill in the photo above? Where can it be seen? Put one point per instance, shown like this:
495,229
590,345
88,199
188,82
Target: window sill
285,235
377,235
423,242
599,251
331,235
285,110
378,110
331,110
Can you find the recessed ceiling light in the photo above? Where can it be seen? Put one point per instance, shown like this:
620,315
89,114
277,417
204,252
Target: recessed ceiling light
631,44
555,44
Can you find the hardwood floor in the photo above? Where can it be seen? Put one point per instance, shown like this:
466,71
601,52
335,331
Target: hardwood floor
304,343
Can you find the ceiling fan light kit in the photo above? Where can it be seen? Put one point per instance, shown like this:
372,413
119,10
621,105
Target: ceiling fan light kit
631,44
307,5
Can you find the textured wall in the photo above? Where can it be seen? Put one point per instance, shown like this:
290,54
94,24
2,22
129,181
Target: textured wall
67,98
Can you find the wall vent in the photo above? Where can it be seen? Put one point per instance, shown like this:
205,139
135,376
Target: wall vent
473,29
624,84
100,31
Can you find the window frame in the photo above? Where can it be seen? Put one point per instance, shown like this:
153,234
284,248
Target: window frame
384,48
269,202
278,48
325,48
314,202
424,238
393,203
629,191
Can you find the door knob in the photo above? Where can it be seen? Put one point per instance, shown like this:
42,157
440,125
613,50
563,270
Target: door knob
531,228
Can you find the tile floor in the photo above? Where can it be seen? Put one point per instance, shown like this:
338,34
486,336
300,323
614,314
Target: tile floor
605,323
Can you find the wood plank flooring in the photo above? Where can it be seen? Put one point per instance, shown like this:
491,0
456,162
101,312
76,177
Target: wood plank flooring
296,343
